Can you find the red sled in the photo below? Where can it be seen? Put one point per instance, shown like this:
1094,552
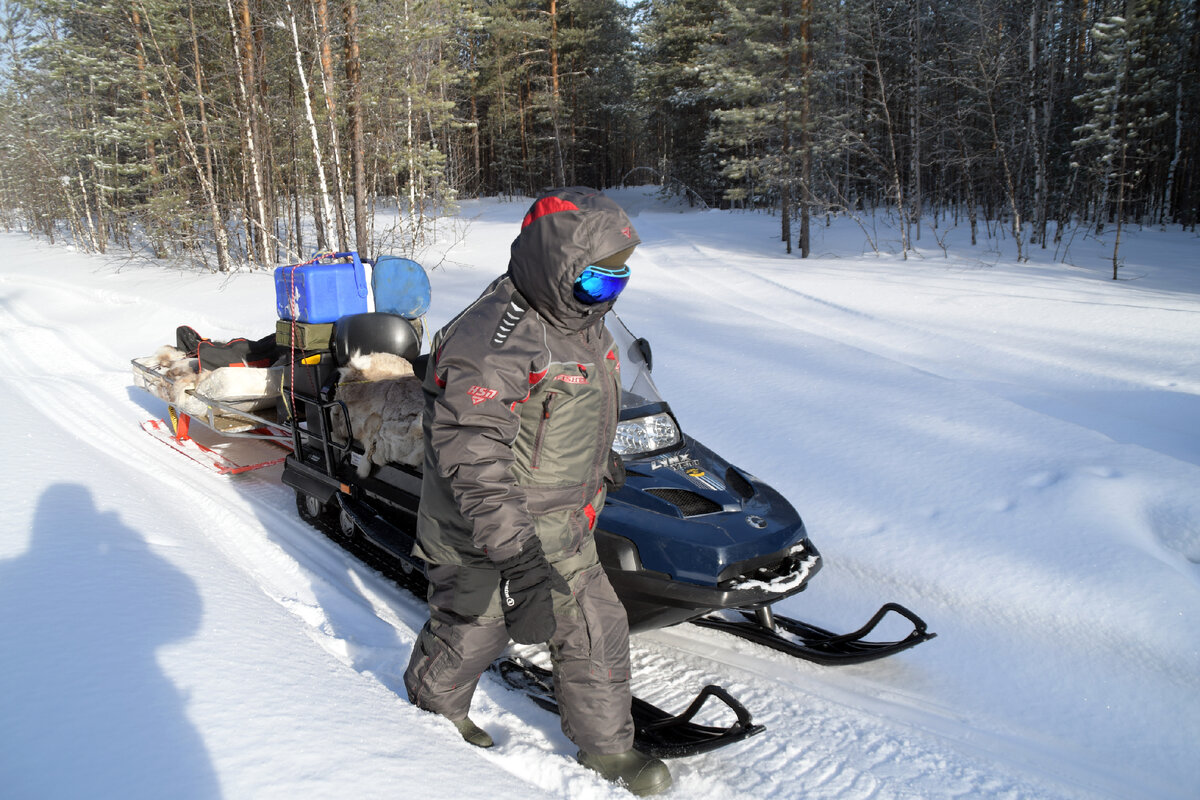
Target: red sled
236,435
177,437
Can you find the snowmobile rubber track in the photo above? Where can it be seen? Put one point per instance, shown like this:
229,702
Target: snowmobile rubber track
656,732
808,642
366,552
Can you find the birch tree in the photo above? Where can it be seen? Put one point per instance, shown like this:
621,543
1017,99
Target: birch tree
325,213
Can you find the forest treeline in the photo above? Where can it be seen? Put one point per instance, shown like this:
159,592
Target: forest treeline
257,131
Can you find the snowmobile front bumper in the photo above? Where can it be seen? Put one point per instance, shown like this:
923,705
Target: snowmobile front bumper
655,600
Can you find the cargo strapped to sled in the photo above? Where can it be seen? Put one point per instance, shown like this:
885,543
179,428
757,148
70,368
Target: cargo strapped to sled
656,732
235,431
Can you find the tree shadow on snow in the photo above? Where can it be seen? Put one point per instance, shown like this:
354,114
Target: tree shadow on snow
85,708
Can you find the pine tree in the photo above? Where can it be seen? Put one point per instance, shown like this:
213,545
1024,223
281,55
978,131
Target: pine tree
756,66
16,36
1117,139
678,110
411,96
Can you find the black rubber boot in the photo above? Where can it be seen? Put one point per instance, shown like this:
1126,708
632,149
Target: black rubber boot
472,733
641,774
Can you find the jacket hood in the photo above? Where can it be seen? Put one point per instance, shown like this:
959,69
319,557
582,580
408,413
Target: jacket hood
564,231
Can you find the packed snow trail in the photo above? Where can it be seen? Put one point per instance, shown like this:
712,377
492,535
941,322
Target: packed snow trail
262,712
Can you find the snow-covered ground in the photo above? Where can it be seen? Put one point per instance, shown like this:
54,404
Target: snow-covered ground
1011,450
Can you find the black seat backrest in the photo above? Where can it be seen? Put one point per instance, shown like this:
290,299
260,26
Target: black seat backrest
420,363
374,332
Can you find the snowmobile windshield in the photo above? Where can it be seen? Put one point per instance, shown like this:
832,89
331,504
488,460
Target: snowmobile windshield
637,387
647,425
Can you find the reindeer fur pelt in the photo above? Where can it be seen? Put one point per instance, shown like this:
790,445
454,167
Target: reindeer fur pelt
245,388
385,401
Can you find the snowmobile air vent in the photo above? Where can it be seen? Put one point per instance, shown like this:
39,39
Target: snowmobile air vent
736,481
689,503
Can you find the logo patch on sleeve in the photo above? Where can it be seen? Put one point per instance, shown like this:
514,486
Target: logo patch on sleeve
481,393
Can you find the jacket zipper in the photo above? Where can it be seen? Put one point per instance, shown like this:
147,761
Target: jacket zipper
536,460
612,403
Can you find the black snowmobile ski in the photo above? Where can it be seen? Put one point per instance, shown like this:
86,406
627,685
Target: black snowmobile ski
806,641
657,733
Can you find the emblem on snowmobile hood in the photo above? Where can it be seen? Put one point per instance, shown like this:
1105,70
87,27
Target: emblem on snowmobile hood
564,231
679,462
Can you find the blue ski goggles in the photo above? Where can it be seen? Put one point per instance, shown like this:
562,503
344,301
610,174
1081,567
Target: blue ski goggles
600,284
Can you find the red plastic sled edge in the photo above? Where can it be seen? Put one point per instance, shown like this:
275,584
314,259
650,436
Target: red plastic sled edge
210,458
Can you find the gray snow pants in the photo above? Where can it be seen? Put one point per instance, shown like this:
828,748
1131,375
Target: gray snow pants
589,650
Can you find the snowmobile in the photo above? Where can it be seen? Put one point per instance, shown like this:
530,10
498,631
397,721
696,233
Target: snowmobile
686,538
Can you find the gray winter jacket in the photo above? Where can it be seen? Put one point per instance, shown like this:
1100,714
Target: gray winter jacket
522,393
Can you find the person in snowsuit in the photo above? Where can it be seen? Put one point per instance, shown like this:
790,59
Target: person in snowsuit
522,392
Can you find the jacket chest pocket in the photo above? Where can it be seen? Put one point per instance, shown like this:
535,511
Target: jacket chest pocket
539,439
563,438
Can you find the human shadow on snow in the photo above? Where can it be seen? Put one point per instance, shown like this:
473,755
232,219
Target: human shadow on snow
85,708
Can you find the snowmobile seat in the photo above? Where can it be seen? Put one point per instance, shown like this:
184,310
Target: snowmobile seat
375,332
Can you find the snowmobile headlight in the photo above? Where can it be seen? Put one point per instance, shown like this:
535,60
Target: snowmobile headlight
645,434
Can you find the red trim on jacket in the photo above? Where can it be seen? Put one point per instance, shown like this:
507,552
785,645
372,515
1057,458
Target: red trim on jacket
534,379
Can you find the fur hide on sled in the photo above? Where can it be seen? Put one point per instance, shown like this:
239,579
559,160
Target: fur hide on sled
385,402
244,388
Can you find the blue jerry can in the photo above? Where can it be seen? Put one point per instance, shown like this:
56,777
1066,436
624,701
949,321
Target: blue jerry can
321,290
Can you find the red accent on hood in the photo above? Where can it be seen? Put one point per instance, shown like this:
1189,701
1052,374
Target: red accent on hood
547,205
